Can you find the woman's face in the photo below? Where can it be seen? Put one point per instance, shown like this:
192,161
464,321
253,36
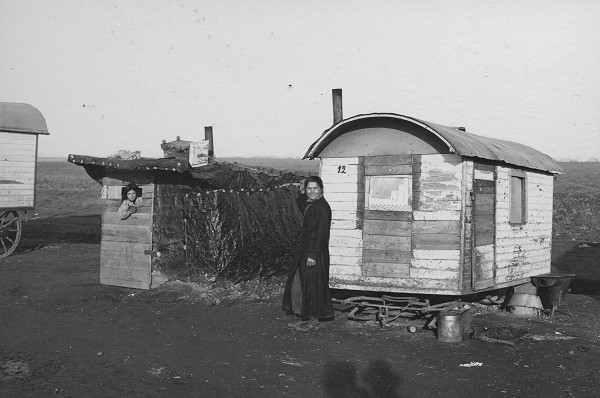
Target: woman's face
313,190
132,195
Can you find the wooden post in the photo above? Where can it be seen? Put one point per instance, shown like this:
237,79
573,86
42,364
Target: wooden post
208,135
337,105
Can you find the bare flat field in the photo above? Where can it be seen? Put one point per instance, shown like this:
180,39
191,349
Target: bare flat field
63,334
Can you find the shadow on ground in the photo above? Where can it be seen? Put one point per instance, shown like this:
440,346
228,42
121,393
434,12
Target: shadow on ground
41,232
379,380
581,259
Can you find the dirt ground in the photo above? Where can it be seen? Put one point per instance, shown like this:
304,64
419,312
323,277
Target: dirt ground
63,334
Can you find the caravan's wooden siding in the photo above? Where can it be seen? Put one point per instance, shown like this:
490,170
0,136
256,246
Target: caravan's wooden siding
18,153
387,234
433,231
344,190
125,245
467,225
523,250
436,233
442,231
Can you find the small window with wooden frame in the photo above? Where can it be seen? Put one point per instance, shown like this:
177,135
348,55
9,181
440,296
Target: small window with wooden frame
389,193
518,197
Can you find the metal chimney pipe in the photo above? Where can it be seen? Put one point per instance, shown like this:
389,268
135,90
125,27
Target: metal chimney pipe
208,135
337,105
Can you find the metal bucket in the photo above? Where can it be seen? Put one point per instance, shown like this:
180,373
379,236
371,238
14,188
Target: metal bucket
552,288
525,304
449,328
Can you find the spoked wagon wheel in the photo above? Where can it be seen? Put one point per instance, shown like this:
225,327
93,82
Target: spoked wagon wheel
10,232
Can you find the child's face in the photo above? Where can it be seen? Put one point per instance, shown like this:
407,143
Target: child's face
132,195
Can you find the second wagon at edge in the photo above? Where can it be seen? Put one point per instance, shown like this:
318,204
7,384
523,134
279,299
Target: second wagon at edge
428,209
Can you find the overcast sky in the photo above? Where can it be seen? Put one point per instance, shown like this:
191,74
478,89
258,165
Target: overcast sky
111,75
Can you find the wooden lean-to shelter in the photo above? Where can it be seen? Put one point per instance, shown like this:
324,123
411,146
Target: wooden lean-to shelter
427,209
218,221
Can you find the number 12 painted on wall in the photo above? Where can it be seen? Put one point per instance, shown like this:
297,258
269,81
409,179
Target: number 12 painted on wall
341,169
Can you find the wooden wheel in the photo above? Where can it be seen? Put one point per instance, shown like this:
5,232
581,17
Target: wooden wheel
10,232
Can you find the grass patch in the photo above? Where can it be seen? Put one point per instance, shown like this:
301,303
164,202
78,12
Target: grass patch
576,202
64,188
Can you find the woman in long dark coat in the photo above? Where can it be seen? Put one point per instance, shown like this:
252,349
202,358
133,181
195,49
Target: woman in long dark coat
312,258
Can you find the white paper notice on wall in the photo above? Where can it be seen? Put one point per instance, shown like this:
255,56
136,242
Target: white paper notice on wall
199,153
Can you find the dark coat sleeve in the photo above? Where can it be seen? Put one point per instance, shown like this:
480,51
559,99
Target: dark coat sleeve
319,237
301,202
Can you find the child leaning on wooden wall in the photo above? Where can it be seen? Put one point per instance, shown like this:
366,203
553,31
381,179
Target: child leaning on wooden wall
131,203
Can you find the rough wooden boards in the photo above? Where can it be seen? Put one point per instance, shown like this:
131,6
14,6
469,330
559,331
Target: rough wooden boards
388,170
483,253
483,266
387,235
390,237
123,255
437,183
444,218
17,170
386,256
400,285
390,270
387,227
523,250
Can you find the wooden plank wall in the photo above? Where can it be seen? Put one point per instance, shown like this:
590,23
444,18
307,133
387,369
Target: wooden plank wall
122,258
18,153
435,233
484,189
344,189
387,235
467,226
437,226
524,250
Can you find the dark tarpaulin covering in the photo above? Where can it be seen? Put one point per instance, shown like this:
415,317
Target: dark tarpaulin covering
165,164
229,235
216,175
241,236
224,175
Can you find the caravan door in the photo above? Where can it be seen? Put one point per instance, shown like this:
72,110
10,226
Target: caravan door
483,262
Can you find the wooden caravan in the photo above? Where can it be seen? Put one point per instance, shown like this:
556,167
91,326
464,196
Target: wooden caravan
20,126
427,209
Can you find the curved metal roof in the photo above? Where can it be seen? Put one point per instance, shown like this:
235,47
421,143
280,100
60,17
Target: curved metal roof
21,118
458,141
